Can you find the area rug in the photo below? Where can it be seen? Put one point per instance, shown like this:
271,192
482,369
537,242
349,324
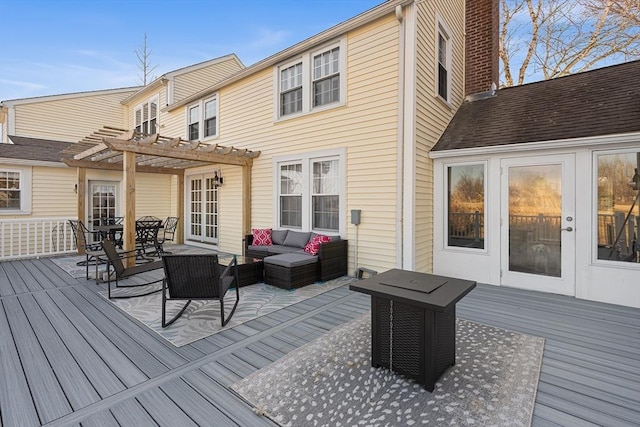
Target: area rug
202,318
330,382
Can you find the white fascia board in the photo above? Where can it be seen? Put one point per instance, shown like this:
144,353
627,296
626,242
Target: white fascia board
540,145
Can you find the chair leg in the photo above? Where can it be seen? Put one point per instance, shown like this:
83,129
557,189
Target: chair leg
164,322
224,322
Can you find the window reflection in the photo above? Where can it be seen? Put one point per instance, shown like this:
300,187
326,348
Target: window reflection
466,206
618,210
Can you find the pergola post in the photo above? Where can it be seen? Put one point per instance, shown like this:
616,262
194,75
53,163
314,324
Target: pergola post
246,199
180,208
81,194
129,179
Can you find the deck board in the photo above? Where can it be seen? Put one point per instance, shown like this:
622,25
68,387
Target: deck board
16,405
55,330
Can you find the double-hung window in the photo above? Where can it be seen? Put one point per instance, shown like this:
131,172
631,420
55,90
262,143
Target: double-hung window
202,119
15,187
310,191
443,49
314,80
146,116
291,89
326,77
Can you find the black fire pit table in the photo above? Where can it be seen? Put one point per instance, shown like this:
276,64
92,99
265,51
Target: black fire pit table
413,322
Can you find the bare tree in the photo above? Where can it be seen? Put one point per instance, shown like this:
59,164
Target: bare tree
553,38
143,54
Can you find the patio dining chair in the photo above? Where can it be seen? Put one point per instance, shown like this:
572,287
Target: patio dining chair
89,242
147,238
168,232
197,277
116,236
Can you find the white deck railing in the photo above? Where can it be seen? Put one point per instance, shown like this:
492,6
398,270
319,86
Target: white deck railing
34,237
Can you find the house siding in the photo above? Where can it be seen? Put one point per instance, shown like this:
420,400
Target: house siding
192,82
366,127
432,114
70,119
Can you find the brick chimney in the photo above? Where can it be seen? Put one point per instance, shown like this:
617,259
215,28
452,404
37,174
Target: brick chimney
482,25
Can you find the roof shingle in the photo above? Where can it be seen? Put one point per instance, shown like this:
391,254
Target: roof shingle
33,149
599,102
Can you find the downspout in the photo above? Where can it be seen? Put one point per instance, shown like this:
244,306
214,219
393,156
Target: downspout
400,143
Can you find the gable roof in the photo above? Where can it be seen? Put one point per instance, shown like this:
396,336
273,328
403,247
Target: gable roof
599,102
24,148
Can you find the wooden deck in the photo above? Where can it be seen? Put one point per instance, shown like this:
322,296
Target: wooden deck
69,357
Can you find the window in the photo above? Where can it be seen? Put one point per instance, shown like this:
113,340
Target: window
291,89
310,192
315,80
146,117
465,206
618,213
325,196
202,119
9,190
15,187
291,195
326,77
194,123
443,49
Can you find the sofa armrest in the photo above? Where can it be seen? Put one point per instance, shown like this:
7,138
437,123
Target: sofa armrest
332,259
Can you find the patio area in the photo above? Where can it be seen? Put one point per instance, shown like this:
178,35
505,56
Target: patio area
69,357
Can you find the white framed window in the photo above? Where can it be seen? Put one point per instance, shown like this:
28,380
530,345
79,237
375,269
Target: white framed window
465,205
145,118
310,191
315,80
443,60
202,119
15,191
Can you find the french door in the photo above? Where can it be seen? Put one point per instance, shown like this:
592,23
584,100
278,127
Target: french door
103,201
538,224
202,207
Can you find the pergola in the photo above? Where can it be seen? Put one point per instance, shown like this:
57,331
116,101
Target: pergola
129,151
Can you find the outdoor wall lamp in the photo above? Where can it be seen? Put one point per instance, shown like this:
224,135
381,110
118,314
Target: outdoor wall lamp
217,180
75,188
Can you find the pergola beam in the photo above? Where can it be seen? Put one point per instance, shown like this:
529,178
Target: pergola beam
119,166
176,153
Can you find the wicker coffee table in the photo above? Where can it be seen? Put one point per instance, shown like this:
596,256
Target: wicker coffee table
250,270
413,315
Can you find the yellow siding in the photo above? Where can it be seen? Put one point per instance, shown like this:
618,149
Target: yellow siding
433,115
192,82
367,127
70,119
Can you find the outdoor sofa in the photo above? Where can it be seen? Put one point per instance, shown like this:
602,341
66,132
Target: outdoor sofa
289,262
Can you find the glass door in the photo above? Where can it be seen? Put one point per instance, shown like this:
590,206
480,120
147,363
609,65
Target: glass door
537,224
103,202
202,208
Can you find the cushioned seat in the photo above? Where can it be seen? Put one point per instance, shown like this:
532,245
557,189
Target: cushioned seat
291,270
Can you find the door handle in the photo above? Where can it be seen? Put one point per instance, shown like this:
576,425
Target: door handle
567,229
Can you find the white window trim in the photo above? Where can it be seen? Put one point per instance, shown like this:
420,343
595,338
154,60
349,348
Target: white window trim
445,207
307,160
443,28
156,99
201,103
307,81
25,191
594,212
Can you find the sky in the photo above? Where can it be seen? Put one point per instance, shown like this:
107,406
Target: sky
49,47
